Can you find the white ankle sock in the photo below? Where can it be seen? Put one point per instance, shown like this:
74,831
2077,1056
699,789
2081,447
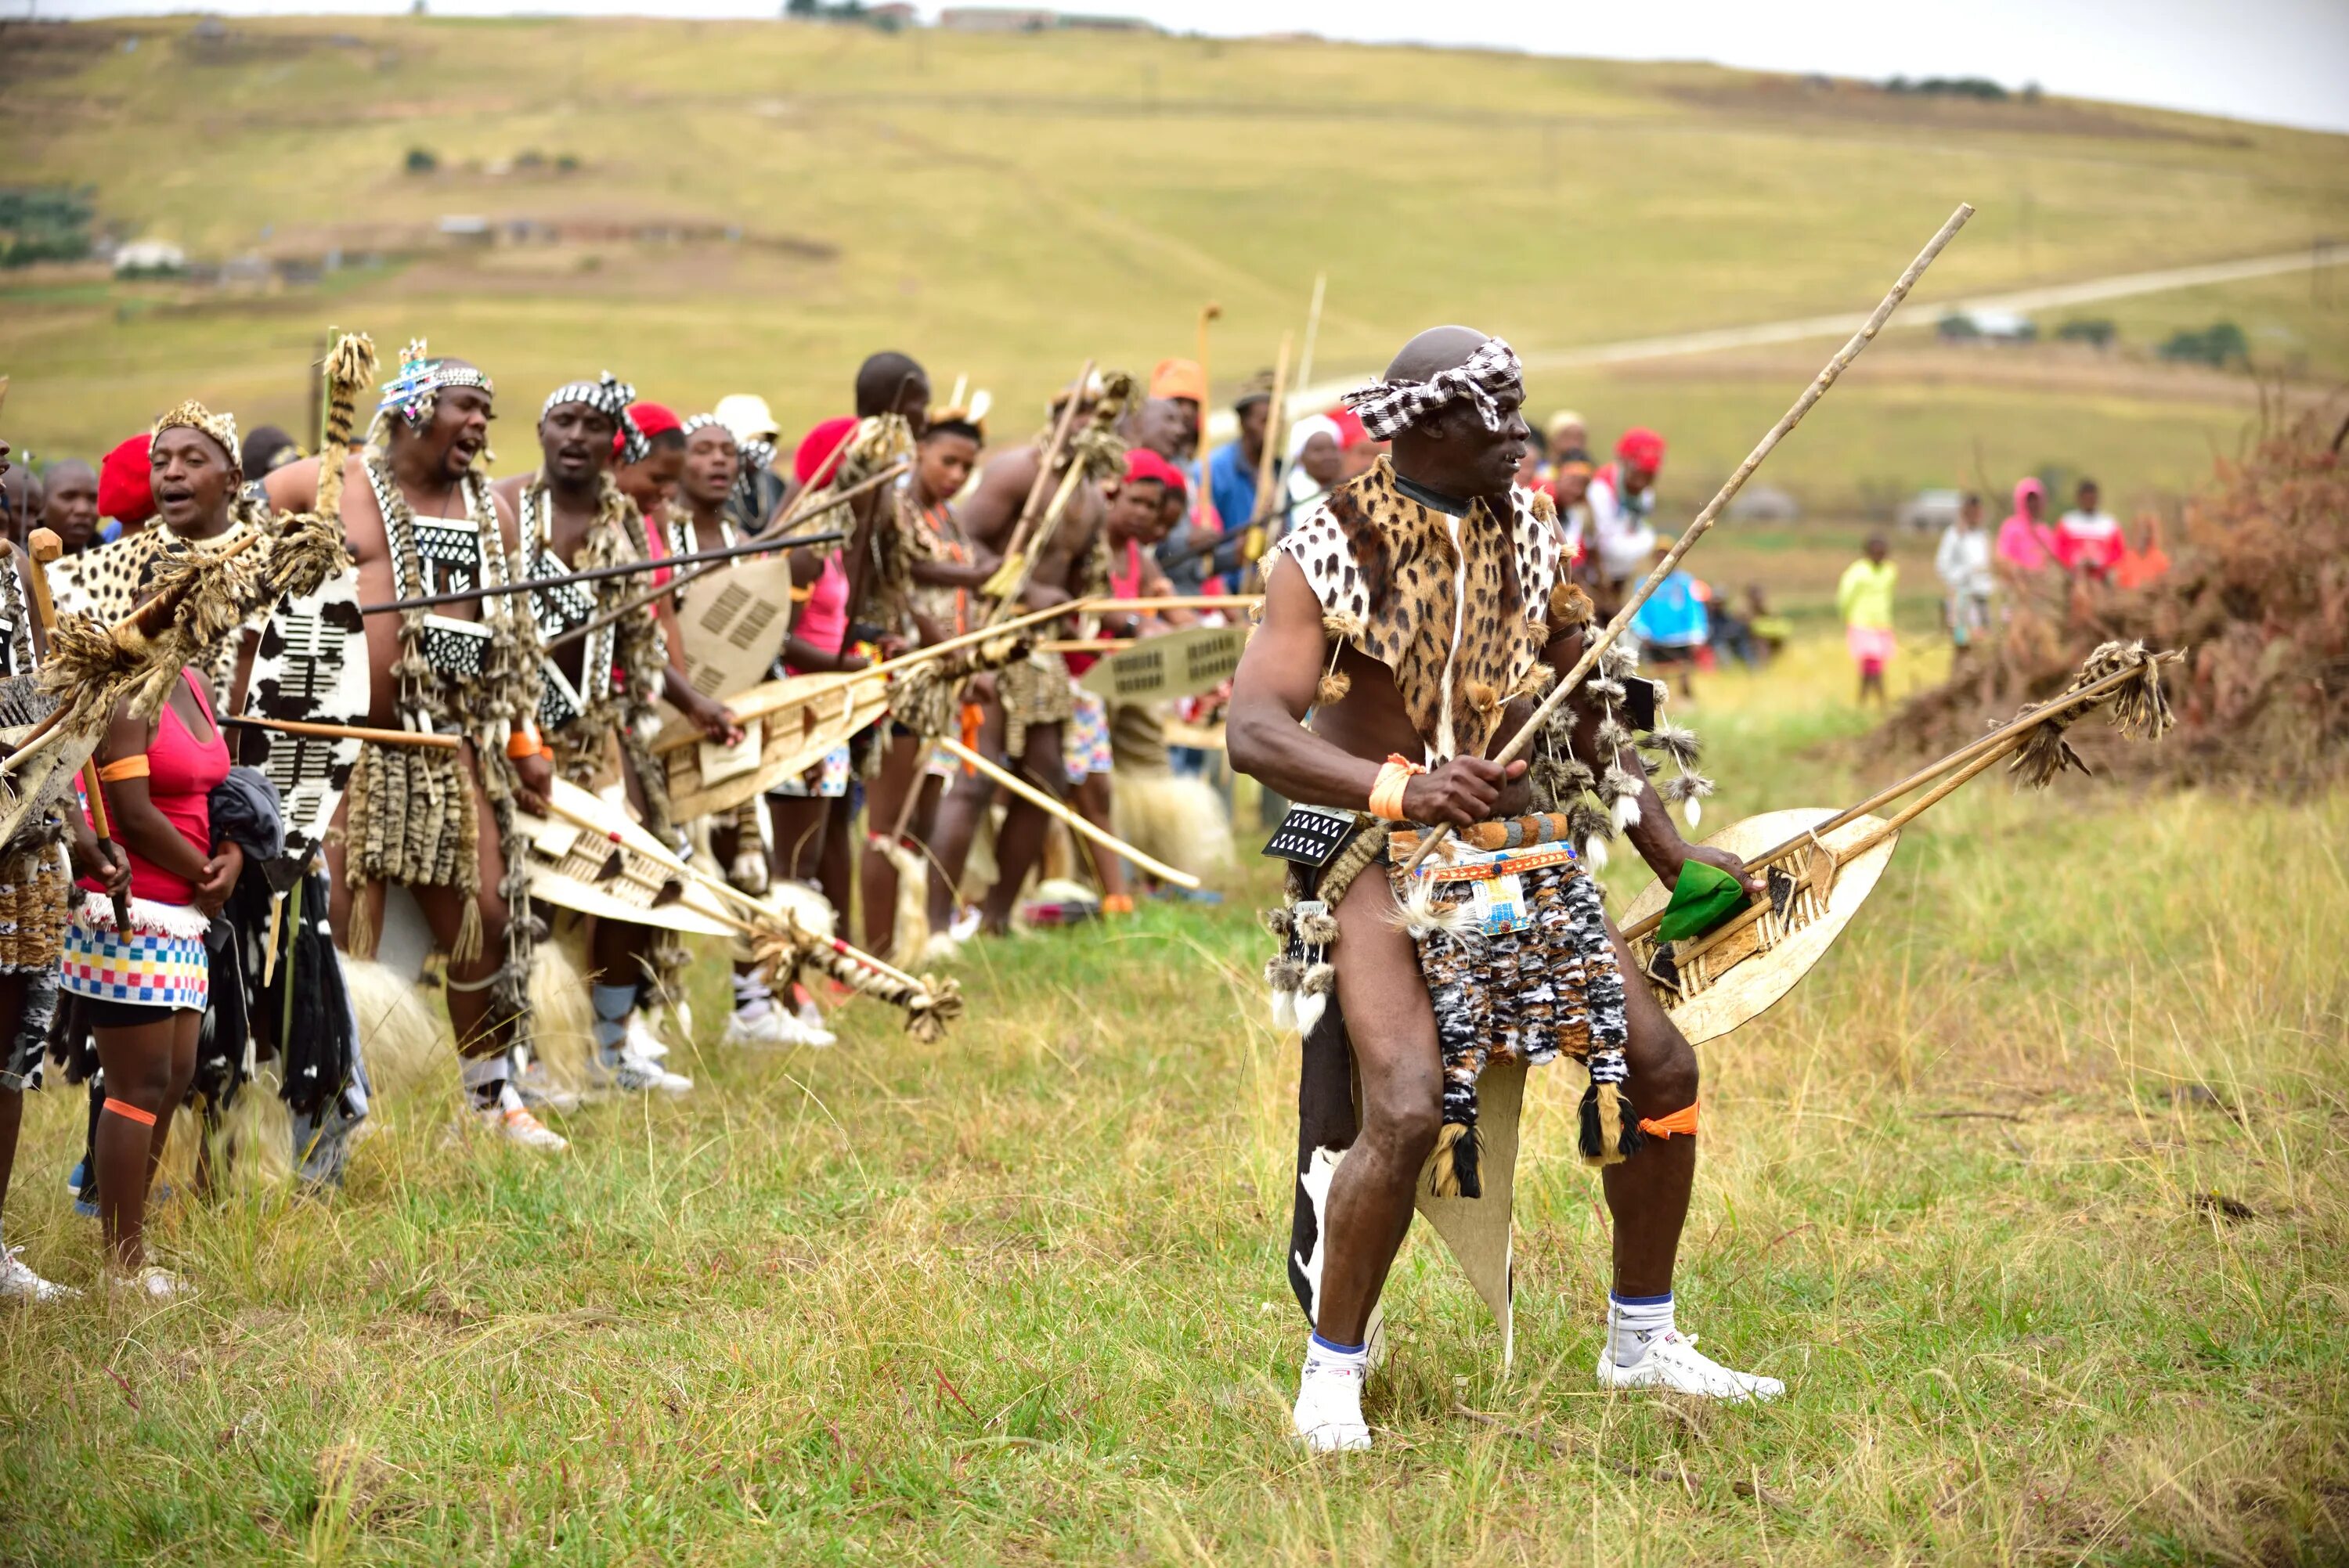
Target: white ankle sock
1328,1413
485,1077
1632,1322
753,999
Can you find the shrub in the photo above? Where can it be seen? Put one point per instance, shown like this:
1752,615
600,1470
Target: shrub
420,161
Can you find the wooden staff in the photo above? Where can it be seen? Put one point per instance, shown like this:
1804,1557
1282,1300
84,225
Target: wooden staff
44,547
1313,330
1267,458
1704,520
717,558
1038,798
1178,601
1063,429
1209,312
346,732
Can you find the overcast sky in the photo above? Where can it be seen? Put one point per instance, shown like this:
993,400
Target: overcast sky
2281,60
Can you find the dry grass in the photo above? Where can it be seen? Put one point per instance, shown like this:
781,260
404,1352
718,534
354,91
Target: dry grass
1018,1297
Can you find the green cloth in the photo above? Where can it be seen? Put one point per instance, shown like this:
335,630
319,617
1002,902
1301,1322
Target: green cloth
1703,898
1864,594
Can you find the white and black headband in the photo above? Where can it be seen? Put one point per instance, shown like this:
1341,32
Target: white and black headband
1388,408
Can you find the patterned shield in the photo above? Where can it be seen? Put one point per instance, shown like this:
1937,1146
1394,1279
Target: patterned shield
311,665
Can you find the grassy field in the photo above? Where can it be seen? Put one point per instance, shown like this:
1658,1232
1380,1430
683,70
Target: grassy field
2033,1193
1007,206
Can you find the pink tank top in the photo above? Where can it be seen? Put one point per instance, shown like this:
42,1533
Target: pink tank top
823,621
181,773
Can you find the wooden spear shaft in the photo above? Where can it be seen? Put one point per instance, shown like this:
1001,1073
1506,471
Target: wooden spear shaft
1038,798
344,731
1704,520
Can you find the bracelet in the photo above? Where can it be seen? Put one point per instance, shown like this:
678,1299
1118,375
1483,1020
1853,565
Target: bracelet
1386,793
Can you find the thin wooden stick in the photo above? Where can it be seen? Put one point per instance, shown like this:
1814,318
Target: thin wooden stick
1269,453
1038,798
1025,524
1179,601
1704,520
593,574
345,732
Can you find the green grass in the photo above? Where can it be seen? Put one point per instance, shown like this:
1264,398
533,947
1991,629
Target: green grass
1018,1297
1004,207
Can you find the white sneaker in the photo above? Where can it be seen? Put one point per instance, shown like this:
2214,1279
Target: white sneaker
151,1282
640,1040
19,1282
511,1120
539,1091
964,925
813,1032
1329,1414
1673,1364
633,1073
774,1029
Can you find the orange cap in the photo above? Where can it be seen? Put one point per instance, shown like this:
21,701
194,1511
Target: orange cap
1179,378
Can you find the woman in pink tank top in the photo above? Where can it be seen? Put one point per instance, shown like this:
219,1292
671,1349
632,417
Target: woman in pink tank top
142,992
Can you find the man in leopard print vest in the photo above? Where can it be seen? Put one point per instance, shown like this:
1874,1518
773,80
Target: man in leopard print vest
1409,625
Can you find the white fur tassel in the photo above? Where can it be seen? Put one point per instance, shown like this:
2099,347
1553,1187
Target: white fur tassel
1594,849
1309,1008
1283,1011
1693,810
1626,812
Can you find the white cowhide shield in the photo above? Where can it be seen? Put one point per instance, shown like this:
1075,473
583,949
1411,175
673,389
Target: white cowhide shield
311,665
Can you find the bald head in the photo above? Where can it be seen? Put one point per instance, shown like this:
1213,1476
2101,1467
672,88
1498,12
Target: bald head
1434,351
72,510
1452,450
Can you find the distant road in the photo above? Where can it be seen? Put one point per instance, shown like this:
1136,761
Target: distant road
2121,286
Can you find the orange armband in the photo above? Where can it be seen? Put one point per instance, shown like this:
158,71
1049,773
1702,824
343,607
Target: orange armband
123,768
1386,794
524,742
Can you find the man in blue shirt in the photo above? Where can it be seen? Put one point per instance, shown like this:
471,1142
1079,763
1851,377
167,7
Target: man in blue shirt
1231,472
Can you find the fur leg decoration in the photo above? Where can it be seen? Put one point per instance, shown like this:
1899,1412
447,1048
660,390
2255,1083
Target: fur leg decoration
1313,996
1452,1170
1609,1131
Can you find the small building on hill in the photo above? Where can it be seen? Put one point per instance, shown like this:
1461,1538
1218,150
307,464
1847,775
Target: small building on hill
996,19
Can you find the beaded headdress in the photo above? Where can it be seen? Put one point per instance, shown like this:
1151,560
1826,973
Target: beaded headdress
412,393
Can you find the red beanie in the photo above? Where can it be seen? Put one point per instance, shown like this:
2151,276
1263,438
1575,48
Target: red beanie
821,449
1641,447
1141,463
1350,433
126,486
651,419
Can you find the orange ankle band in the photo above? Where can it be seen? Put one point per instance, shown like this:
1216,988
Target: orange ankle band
1682,1120
128,1111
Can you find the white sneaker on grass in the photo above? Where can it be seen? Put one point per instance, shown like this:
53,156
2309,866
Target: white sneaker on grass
151,1282
1674,1364
640,1040
1329,1414
539,1091
510,1120
774,1029
625,1070
19,1282
813,1032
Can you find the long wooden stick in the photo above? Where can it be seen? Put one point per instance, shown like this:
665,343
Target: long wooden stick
1061,430
346,731
42,548
1038,798
1704,520
773,540
1179,601
1313,330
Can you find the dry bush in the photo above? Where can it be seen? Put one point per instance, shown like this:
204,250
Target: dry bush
2257,596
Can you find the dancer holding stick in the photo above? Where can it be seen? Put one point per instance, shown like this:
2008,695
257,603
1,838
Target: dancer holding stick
1408,615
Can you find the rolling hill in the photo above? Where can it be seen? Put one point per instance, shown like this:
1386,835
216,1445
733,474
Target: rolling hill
706,207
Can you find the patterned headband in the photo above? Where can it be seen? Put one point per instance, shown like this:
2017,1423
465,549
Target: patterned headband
413,393
608,396
1388,408
221,428
708,422
760,455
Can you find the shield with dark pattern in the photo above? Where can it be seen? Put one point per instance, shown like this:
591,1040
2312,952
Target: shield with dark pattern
311,667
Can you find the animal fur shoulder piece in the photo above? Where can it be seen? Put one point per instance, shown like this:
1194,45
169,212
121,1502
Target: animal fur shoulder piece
1377,558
